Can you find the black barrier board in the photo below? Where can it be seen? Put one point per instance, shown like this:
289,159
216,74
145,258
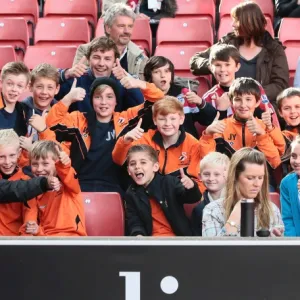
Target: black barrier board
149,272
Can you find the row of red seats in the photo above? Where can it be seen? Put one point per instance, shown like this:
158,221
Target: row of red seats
104,213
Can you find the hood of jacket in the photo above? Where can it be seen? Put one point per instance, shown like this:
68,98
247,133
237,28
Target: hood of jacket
30,104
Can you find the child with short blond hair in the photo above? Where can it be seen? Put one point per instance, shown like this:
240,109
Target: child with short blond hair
213,174
60,212
13,216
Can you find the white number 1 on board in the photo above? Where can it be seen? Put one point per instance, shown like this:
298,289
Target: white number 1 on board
132,285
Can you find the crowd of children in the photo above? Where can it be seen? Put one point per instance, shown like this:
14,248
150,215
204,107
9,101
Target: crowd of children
99,129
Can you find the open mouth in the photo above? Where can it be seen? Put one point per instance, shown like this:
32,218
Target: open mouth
139,175
163,82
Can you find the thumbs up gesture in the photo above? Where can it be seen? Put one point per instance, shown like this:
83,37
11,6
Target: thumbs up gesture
187,182
78,70
39,122
118,71
134,134
130,82
223,102
253,126
216,126
63,156
75,94
26,142
266,117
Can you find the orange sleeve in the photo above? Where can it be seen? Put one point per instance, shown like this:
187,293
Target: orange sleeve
29,214
152,93
265,144
278,139
23,159
68,177
208,143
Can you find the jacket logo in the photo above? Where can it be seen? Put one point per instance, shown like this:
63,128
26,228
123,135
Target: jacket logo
85,132
121,120
232,137
111,135
183,156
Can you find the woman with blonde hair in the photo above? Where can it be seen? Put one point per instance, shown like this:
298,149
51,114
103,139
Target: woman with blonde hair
261,56
247,179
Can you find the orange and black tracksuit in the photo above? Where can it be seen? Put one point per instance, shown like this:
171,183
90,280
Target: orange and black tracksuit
62,212
13,216
186,153
237,135
76,129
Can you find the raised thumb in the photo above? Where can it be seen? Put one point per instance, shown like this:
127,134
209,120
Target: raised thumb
139,124
181,173
217,116
74,83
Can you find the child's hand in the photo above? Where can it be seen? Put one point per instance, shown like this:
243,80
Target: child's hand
32,227
75,94
53,183
266,117
63,156
134,134
216,126
26,142
254,127
223,102
193,98
187,182
78,70
39,122
132,83
118,71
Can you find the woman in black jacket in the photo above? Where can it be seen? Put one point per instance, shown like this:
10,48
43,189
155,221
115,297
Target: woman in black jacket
287,8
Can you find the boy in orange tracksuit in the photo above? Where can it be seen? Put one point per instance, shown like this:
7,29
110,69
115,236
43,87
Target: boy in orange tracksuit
242,129
60,212
13,216
91,136
176,148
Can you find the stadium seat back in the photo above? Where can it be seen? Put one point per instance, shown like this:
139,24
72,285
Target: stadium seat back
141,34
292,54
197,8
104,214
7,54
275,198
266,6
188,208
225,26
180,56
62,31
67,8
288,32
14,32
58,56
192,31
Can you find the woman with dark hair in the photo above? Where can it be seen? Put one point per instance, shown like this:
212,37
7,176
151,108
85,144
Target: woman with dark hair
247,179
262,57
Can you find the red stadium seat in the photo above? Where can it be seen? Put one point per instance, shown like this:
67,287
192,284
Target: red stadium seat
73,9
58,56
187,31
62,31
104,214
197,8
225,26
27,9
188,208
7,54
266,6
14,32
141,34
288,32
180,56
292,54
275,198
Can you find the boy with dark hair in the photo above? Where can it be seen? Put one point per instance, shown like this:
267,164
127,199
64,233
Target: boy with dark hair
243,129
14,80
224,62
154,203
160,71
103,57
60,212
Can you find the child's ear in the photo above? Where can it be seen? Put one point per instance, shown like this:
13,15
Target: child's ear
182,117
0,84
57,89
19,152
156,167
279,112
238,65
154,121
257,103
200,177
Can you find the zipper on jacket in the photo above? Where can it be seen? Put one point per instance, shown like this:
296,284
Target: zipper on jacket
243,134
165,162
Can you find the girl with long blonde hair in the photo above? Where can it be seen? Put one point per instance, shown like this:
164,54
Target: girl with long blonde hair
247,179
